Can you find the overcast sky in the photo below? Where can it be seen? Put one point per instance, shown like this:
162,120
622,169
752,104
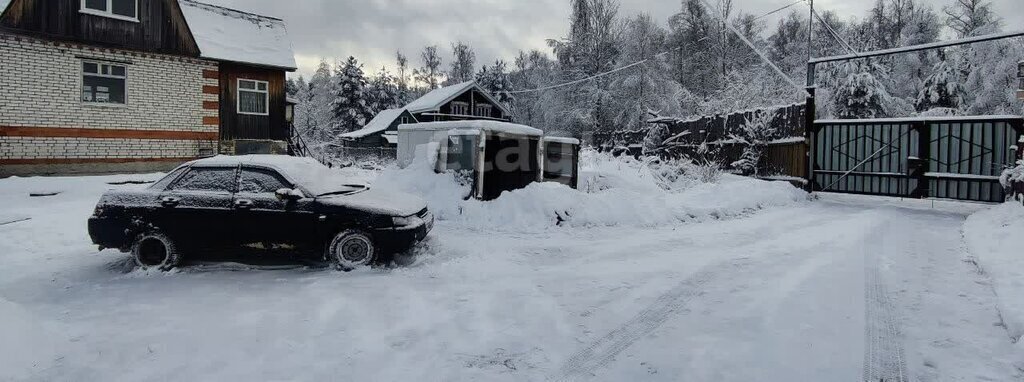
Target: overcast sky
373,30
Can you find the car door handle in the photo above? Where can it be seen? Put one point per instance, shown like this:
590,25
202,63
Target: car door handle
243,204
170,202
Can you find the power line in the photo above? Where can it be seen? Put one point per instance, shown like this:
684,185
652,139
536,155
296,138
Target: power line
834,34
779,10
641,62
596,76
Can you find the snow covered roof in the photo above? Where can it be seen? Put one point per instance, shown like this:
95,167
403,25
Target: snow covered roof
391,138
568,141
226,34
488,126
379,123
434,100
921,119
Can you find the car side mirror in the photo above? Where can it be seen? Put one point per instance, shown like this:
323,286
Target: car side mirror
289,194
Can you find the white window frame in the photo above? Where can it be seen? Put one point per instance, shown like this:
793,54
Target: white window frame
481,109
461,105
109,12
239,90
99,69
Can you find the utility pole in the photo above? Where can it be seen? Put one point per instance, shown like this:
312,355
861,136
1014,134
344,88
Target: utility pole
810,32
810,108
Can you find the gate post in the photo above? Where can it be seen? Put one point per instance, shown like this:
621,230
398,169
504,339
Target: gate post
810,112
917,167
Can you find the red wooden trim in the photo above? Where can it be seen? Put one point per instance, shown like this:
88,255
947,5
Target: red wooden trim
53,161
211,105
68,132
209,89
211,121
211,74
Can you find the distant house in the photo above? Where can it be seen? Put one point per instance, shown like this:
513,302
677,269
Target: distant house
382,131
465,101
137,85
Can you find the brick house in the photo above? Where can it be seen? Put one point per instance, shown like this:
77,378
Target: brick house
103,86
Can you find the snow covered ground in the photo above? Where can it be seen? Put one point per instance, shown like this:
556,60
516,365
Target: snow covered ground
635,278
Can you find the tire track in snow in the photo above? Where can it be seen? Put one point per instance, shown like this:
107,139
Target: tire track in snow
604,349
884,359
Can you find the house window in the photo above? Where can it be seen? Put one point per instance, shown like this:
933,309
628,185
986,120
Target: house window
118,9
460,108
483,110
405,120
104,83
253,97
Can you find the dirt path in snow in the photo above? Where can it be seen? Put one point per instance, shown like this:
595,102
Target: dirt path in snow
836,302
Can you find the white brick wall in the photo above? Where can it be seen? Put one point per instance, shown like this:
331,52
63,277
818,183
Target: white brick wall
41,87
97,148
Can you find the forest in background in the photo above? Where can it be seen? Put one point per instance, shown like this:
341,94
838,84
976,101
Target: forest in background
694,65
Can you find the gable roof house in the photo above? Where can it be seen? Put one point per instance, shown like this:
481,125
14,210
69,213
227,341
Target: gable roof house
460,102
101,86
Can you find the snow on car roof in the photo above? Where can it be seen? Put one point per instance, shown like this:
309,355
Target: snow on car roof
489,126
305,172
230,35
379,123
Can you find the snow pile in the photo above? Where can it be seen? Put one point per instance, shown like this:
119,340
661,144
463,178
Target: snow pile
613,192
996,237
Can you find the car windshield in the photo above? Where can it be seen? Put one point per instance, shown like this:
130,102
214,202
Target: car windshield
319,179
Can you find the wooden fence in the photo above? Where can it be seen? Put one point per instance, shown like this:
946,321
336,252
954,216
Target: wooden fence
785,157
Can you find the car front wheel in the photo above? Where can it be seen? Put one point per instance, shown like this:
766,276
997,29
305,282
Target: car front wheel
352,249
155,251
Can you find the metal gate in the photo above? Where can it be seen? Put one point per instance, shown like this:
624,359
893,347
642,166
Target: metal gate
947,158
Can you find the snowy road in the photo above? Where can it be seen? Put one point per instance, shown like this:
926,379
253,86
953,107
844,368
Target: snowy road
841,289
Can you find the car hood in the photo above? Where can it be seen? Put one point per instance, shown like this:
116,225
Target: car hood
391,203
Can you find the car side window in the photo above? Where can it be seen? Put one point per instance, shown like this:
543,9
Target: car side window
206,179
261,181
163,183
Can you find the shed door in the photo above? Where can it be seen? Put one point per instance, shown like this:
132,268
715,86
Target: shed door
510,164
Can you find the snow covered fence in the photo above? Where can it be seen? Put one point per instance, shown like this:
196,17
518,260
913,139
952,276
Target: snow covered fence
725,140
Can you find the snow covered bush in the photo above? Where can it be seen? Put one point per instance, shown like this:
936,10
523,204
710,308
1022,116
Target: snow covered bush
1013,178
754,135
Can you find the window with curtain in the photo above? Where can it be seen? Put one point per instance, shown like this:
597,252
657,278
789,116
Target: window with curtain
104,83
253,97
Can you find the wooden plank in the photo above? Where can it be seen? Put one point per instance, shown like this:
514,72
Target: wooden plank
71,132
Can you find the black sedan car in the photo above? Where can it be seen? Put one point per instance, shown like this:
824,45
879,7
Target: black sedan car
259,201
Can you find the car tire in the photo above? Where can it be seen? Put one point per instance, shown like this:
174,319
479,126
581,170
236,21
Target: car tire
352,249
155,251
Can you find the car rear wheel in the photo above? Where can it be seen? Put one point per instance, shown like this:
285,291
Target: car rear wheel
155,251
352,249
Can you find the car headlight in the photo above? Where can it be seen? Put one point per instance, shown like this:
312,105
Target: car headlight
408,221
